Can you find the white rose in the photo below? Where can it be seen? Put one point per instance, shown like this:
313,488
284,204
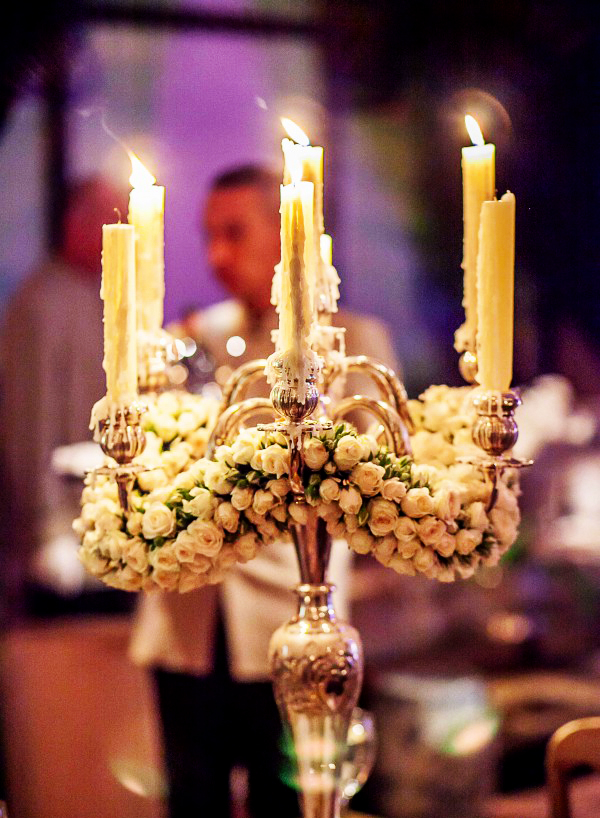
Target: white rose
166,578
350,500
361,541
504,525
189,580
263,501
164,557
279,513
402,566
165,425
186,423
201,564
241,498
369,444
431,530
446,505
329,511
424,559
383,516
506,499
315,454
465,571
477,517
159,521
160,495
106,522
201,505
336,529
405,529
227,516
184,547
176,459
408,548
79,526
393,489
136,555
351,522
198,440
134,523
446,546
417,503
246,547
208,537
128,579
224,454
445,574
226,558
215,478
168,402
385,548
424,474
467,539
279,487
268,531
348,452
185,480
243,450
275,460
96,564
329,490
253,517
368,477
299,512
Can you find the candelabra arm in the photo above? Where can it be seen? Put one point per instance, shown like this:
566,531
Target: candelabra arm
240,381
122,438
396,432
233,418
390,387
495,431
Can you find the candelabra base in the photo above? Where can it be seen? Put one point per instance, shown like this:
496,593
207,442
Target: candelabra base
317,667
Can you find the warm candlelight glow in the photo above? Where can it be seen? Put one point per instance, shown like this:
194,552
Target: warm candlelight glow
140,175
474,130
295,132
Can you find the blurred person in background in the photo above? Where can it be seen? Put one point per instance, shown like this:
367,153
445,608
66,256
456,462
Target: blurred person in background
51,374
208,648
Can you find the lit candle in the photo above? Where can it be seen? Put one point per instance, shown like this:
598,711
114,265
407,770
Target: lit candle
495,293
479,185
298,150
146,213
297,262
118,293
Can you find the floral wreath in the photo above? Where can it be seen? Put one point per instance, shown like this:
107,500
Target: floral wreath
192,519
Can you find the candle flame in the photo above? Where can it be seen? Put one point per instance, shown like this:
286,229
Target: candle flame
140,175
474,130
295,132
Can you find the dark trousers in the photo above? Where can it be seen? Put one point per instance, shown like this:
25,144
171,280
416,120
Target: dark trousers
212,723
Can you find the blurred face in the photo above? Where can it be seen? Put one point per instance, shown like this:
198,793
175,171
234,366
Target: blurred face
93,206
242,240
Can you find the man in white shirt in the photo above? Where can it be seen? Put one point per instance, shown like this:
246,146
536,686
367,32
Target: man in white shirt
209,648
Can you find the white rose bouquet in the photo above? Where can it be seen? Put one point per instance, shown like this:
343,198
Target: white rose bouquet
423,516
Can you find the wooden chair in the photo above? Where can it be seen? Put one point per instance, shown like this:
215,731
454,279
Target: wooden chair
575,744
